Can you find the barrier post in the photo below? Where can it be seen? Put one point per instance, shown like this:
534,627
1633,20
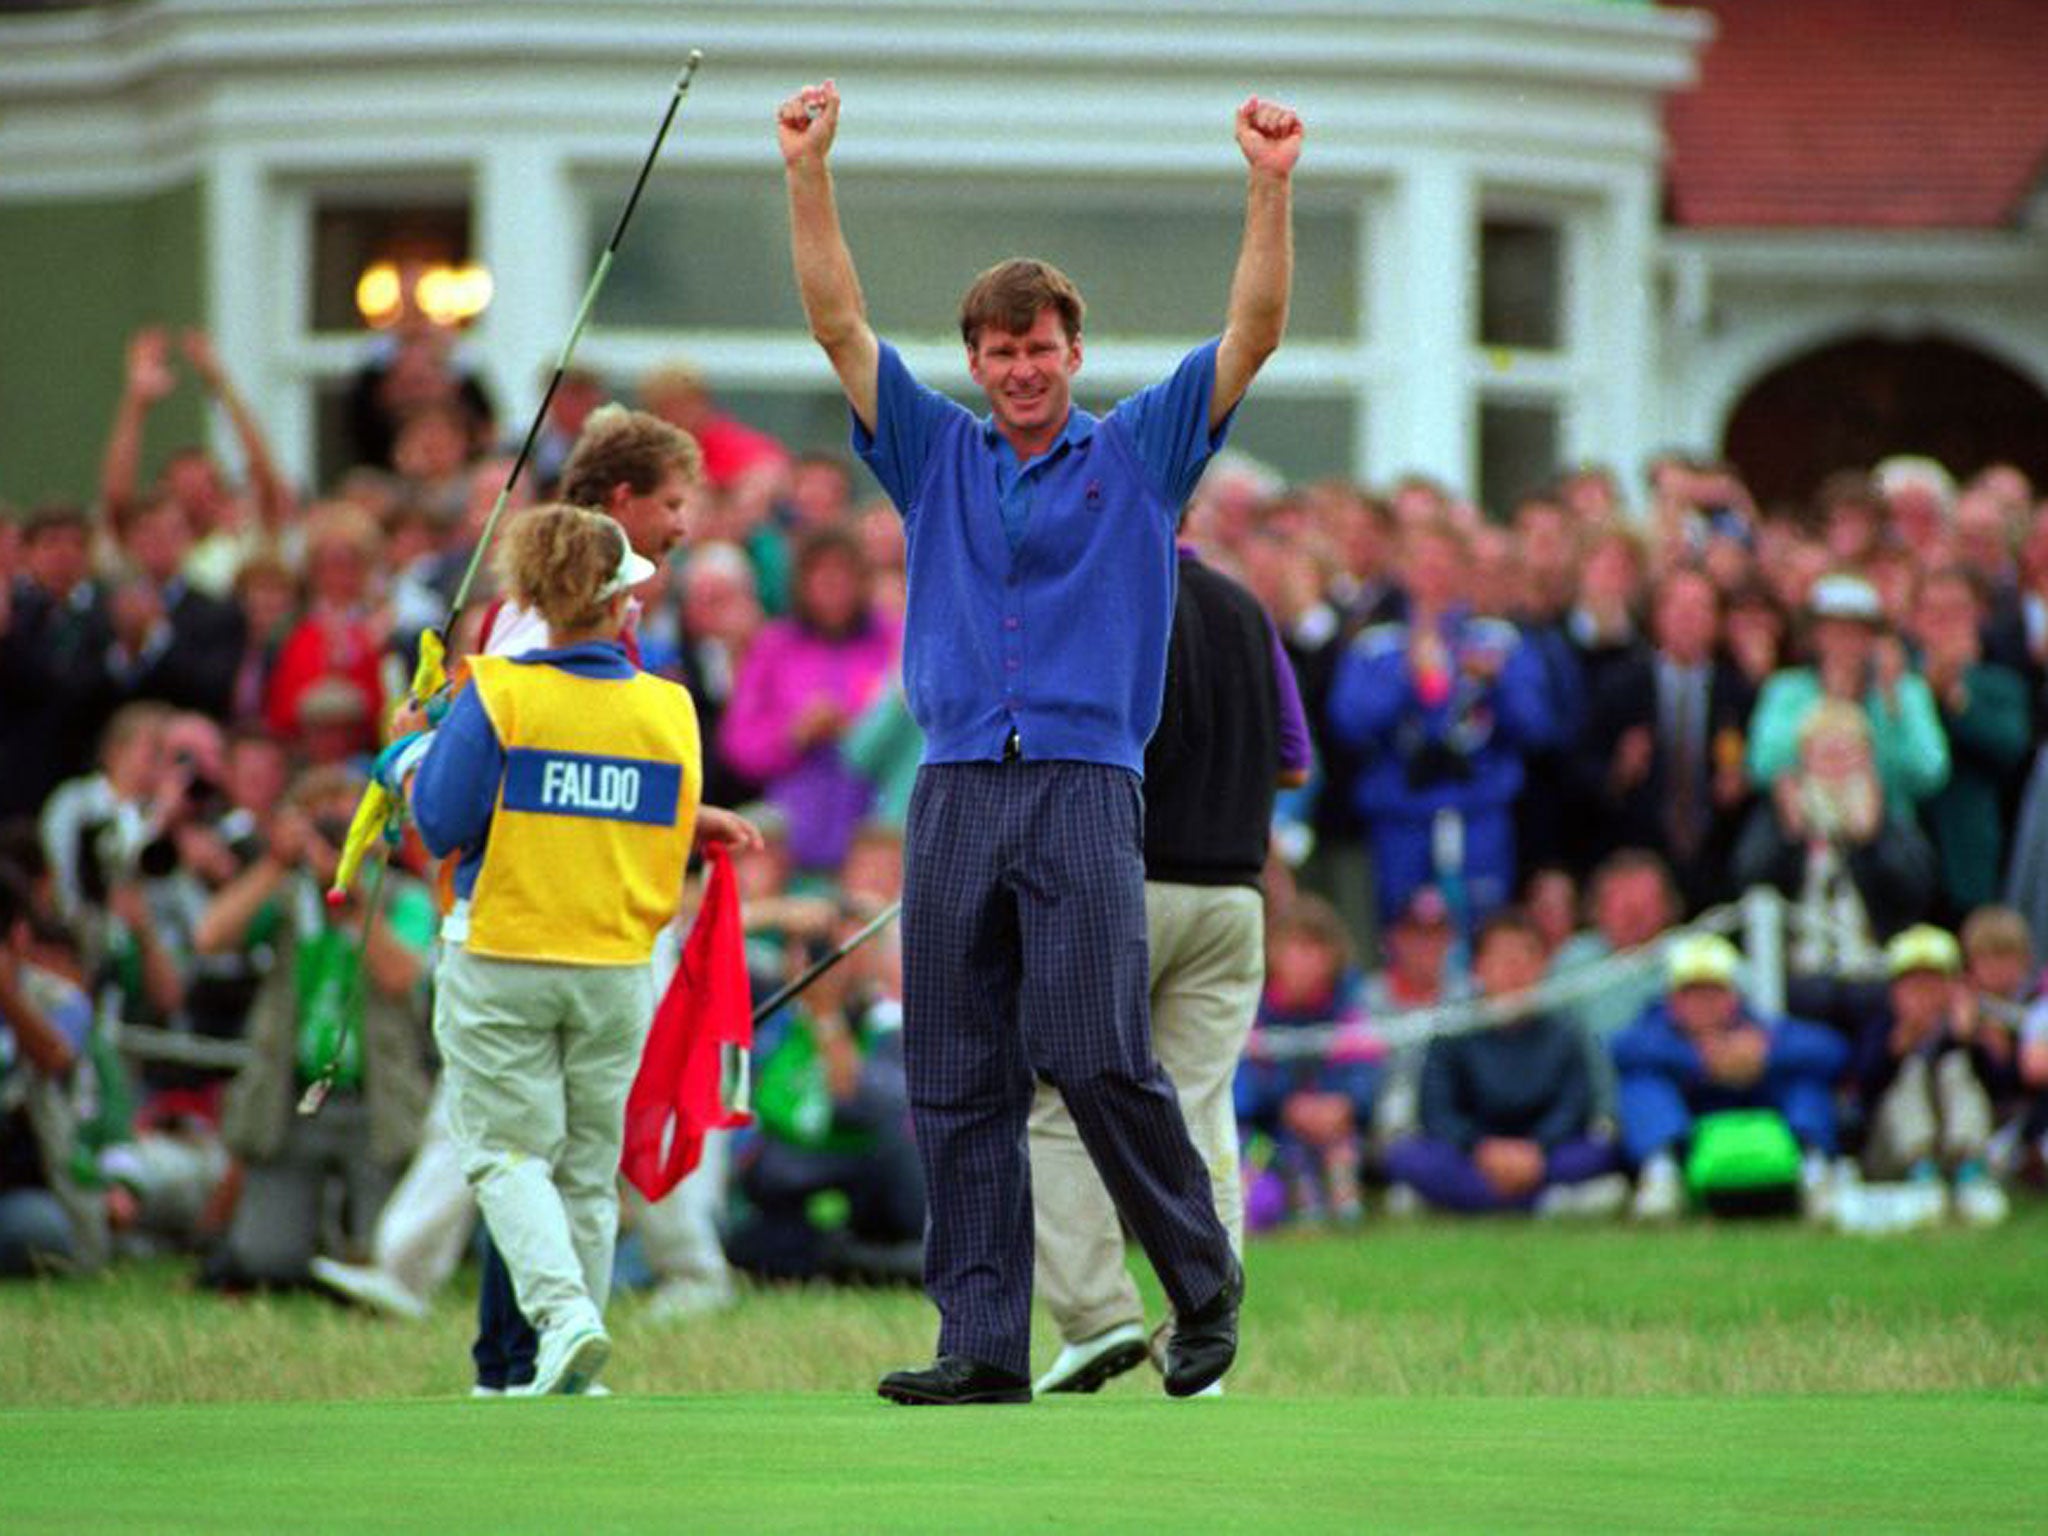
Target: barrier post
1763,944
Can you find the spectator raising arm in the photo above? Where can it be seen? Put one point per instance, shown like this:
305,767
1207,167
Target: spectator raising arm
147,380
267,488
805,127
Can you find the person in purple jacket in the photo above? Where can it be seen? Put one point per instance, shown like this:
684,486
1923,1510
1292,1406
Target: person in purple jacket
804,681
1040,544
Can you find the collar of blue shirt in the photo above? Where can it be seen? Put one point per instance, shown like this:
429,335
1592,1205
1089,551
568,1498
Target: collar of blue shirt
1079,427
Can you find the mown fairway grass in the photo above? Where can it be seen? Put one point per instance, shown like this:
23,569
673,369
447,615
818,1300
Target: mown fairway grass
1427,1376
838,1463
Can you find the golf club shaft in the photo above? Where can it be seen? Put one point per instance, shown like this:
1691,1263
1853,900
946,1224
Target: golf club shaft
583,309
316,1094
790,990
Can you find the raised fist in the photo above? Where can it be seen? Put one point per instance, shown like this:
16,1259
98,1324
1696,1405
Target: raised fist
1270,135
806,123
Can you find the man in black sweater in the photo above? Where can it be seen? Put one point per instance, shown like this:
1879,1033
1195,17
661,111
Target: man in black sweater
1230,731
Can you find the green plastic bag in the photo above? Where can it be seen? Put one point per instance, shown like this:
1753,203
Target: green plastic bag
1741,1152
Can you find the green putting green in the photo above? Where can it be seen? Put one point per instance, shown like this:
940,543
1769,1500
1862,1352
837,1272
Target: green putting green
827,1463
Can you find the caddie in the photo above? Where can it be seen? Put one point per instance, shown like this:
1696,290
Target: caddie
565,781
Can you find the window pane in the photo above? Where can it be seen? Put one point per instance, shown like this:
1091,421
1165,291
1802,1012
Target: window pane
349,236
1517,452
1152,262
1520,284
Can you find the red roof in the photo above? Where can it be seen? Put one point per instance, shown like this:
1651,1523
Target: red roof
1873,114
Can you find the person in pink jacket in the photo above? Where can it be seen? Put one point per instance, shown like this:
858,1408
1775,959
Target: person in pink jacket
805,680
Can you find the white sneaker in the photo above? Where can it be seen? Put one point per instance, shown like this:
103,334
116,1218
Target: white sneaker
1659,1193
480,1390
683,1296
1816,1187
1402,1202
369,1287
1981,1202
1589,1199
570,1358
1085,1366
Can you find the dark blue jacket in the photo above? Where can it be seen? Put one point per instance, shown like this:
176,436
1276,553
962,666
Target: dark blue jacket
1528,1080
1461,753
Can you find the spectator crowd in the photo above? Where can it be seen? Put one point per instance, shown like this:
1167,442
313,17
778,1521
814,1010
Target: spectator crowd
1544,743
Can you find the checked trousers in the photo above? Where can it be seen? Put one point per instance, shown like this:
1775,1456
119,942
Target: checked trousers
1025,959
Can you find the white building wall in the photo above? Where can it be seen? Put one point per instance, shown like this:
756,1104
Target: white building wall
1743,305
1422,113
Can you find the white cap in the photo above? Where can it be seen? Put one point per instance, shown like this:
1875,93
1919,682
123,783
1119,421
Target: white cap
1842,596
1912,471
633,567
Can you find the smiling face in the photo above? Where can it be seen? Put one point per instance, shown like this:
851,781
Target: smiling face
653,520
1028,377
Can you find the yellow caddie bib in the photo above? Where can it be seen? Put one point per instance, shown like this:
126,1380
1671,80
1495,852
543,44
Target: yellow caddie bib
595,812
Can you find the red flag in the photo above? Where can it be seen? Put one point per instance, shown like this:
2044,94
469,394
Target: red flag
709,1006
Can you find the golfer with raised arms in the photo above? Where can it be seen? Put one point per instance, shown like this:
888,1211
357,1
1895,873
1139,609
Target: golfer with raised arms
1041,566
566,782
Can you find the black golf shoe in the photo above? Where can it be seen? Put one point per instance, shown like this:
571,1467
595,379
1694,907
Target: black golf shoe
952,1380
1204,1341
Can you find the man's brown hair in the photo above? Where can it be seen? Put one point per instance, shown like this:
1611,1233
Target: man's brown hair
631,447
1010,294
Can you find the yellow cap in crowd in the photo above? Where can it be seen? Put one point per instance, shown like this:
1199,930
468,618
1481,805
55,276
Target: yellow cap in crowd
1923,947
1702,960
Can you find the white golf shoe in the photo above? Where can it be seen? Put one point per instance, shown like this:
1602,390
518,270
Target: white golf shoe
1085,1366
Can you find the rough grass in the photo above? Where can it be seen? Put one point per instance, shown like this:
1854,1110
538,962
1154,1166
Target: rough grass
1422,1310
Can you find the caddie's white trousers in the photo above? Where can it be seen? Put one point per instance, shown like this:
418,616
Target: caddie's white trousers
1207,963
538,1059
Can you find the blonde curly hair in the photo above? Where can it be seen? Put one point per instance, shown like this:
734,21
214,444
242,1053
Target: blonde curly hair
558,560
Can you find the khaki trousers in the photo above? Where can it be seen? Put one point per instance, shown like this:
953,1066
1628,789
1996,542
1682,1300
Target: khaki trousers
1208,961
1939,1115
538,1059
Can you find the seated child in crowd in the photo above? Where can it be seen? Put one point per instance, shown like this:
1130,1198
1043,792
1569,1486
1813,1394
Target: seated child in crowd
1311,1097
1923,1085
1506,1111
2001,983
1703,1049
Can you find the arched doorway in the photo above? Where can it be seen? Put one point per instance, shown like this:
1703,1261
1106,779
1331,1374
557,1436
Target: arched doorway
1852,403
